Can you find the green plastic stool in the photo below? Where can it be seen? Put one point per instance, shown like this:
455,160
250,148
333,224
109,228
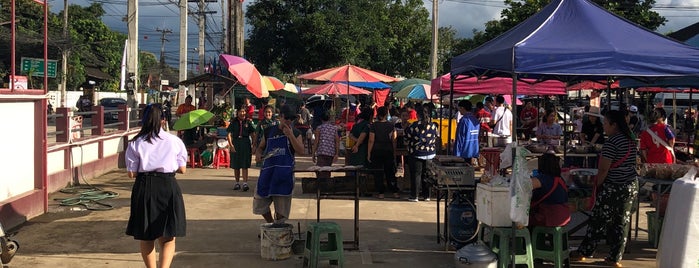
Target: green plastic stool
326,250
551,244
500,245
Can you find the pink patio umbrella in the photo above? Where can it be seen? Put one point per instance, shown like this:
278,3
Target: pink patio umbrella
246,73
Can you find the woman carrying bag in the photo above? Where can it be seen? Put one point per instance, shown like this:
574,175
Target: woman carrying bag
617,187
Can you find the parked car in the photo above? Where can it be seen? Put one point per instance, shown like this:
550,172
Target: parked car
110,105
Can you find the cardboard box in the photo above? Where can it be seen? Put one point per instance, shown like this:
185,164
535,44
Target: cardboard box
493,205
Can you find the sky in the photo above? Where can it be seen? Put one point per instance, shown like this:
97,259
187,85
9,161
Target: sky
462,15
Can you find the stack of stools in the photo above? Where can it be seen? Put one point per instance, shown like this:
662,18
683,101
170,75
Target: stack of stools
222,158
551,244
194,157
500,245
323,250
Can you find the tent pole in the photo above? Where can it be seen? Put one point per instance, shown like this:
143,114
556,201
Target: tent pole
513,236
451,103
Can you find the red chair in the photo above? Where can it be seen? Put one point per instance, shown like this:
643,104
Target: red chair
194,157
222,158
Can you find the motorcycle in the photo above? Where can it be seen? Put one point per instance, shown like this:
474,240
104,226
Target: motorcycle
8,247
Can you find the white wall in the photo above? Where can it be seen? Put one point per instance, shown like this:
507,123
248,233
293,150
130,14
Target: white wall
17,160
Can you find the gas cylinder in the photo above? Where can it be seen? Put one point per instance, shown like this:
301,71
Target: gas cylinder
463,224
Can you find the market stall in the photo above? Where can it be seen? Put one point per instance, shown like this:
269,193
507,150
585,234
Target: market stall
585,48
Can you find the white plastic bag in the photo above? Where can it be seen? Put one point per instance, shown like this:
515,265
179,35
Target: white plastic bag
679,239
506,156
520,188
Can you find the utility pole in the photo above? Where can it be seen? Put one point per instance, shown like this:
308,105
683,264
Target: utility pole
202,32
163,33
132,62
236,28
64,56
183,43
435,36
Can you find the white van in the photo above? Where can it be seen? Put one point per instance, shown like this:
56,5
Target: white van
681,101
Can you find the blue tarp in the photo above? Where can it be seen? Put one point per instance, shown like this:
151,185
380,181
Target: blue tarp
578,38
692,82
371,85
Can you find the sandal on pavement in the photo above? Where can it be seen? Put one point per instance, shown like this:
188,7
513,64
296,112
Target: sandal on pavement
610,263
577,256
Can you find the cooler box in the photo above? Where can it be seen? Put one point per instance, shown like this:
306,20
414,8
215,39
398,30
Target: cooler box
493,205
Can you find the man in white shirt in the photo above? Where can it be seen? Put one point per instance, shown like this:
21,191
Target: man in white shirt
502,118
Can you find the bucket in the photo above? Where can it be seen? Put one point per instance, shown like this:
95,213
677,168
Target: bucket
276,241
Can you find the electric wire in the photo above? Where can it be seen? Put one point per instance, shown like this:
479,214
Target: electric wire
88,196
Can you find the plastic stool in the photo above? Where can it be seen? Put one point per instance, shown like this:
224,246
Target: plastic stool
316,250
222,158
193,154
500,244
551,244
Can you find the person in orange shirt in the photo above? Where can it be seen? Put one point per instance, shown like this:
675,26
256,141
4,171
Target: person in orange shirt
185,107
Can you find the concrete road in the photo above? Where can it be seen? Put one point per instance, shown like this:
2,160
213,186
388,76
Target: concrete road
223,232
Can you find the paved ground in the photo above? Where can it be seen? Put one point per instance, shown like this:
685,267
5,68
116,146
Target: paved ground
222,231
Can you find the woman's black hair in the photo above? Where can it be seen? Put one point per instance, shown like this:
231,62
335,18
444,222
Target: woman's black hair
549,164
424,115
288,112
150,122
618,118
366,114
325,116
659,113
382,112
548,112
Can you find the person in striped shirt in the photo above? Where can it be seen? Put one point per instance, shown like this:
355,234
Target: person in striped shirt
617,187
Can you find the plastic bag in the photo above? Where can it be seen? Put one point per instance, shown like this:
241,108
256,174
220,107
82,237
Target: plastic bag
207,158
506,156
679,239
520,188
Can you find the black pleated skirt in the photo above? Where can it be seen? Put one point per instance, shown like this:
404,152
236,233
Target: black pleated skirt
157,207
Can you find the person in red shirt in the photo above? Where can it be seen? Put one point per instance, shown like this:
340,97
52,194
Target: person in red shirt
348,116
529,118
261,112
657,147
411,111
484,117
249,108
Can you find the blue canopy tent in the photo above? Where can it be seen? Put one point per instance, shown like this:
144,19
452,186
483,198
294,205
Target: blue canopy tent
570,40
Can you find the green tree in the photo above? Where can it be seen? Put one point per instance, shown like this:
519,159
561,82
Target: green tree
637,11
296,36
90,41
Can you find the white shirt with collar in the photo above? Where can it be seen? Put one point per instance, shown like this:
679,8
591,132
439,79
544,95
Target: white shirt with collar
503,117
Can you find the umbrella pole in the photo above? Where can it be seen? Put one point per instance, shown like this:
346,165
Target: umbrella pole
347,130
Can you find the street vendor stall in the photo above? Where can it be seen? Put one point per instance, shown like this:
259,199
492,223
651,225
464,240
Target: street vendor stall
580,50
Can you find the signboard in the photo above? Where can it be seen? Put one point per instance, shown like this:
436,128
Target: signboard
20,82
35,66
164,82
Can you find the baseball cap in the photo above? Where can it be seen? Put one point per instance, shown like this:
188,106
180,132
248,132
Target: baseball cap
633,109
